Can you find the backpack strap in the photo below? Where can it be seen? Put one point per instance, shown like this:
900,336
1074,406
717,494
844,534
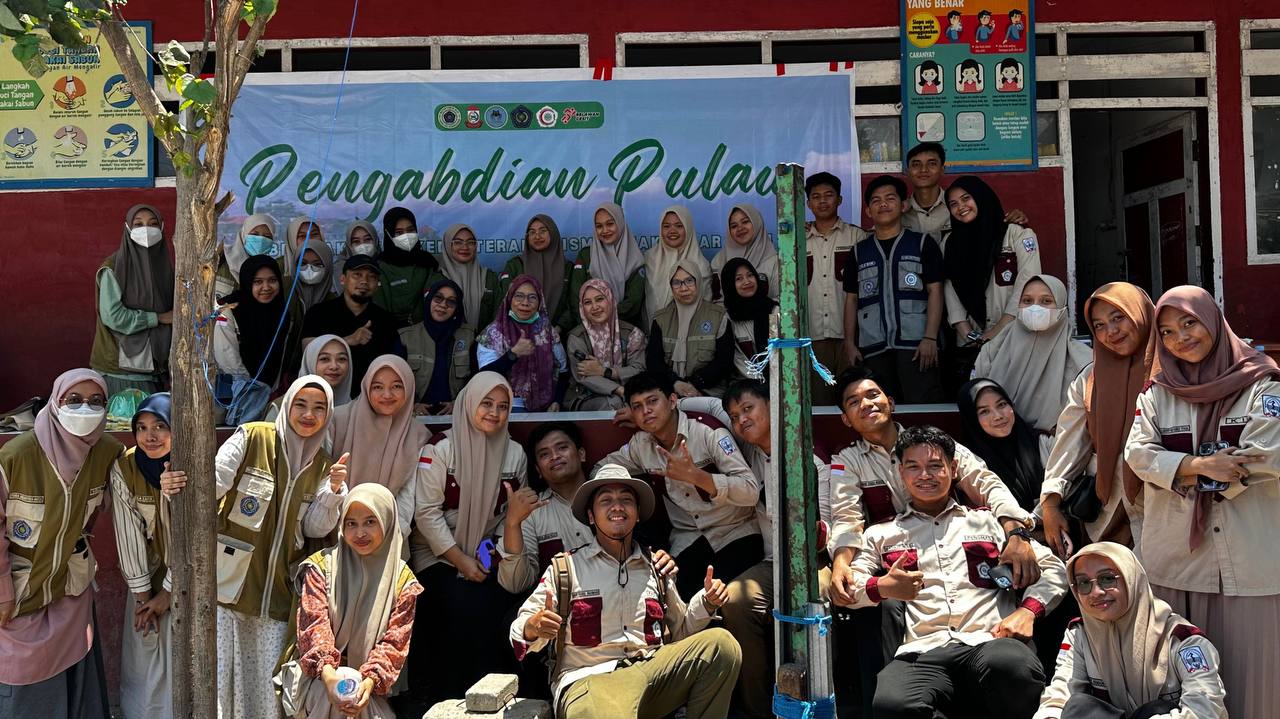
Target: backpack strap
564,600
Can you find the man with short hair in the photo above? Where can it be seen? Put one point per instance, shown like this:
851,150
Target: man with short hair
893,300
967,629
370,330
707,487
616,658
540,526
926,210
828,242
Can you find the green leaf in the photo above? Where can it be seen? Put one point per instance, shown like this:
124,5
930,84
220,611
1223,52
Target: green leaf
253,8
175,54
67,32
26,50
200,91
9,21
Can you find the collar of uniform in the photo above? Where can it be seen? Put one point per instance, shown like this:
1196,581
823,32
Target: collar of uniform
592,547
866,447
952,507
554,496
682,427
837,227
913,206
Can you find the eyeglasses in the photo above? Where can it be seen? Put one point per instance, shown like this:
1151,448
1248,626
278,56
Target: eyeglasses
446,301
462,243
1084,585
523,298
681,284
75,402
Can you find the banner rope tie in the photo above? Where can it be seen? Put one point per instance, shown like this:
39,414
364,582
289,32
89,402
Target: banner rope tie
759,363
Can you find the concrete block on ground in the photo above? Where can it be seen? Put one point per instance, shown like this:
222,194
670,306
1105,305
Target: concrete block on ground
517,709
492,692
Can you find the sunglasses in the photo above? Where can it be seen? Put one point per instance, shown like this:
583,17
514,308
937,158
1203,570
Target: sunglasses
1105,582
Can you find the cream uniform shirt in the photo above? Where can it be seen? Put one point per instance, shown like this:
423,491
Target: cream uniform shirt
827,255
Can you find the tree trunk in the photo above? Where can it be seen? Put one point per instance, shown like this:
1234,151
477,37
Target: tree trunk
194,511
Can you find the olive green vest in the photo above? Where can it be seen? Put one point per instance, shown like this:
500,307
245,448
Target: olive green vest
260,538
704,329
320,561
50,557
154,516
421,355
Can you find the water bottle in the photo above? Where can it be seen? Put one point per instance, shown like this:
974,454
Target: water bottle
348,686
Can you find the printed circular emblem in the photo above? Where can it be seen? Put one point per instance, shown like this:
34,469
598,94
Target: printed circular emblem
249,506
868,287
495,116
473,117
20,529
449,117
547,116
912,279
984,570
521,116
1007,275
706,326
462,344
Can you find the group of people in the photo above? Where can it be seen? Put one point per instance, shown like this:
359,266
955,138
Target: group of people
1094,548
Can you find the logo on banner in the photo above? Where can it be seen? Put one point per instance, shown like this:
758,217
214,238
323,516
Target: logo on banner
547,116
449,117
521,117
495,117
473,117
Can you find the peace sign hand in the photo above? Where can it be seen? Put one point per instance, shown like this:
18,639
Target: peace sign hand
680,466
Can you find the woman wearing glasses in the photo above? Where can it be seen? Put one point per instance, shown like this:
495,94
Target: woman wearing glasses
52,481
441,349
690,340
1129,655
477,284
543,259
521,345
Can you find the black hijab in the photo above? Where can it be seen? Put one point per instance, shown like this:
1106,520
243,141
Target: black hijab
972,247
741,309
438,390
1016,458
258,322
396,256
157,404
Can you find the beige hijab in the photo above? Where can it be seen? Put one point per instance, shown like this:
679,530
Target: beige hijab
312,295
291,251
660,262
384,450
478,458
758,251
311,355
684,315
617,262
235,252
1036,368
67,452
297,449
346,253
469,276
1132,652
362,595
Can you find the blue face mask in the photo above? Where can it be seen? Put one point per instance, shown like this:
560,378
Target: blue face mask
259,245
531,320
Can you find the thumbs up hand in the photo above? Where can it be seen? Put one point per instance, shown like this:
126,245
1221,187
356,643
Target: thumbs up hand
524,347
338,473
172,480
545,623
714,592
900,583
361,336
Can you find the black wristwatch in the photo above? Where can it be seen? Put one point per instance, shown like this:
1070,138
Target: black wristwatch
608,373
1020,532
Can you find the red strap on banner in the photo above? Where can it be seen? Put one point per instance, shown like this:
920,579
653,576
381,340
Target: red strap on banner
603,69
781,69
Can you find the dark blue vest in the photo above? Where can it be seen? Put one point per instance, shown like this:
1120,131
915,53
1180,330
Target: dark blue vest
893,304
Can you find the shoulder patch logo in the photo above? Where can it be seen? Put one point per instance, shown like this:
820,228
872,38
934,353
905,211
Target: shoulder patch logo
1194,660
1270,405
1029,245
706,326
726,445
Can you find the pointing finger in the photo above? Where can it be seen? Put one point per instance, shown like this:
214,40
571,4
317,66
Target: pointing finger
711,574
346,456
551,602
897,563
510,490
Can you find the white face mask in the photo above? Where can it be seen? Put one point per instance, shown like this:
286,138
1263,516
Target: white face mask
311,275
82,421
1037,318
364,248
406,241
145,236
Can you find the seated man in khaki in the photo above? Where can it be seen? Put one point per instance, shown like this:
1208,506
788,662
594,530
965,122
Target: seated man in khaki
626,644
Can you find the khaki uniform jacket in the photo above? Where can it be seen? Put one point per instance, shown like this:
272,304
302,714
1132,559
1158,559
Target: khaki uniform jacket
265,514
439,496
956,551
609,621
709,321
1018,261
585,388
1192,681
140,515
866,489
46,522
744,345
1072,455
761,464
934,220
421,355
1242,530
827,257
550,530
729,516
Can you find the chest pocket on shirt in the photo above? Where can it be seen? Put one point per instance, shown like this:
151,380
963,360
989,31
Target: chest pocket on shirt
452,493
25,520
981,558
1006,269
80,568
869,282
911,275
877,503
298,539
584,621
147,508
418,363
653,616
912,564
253,497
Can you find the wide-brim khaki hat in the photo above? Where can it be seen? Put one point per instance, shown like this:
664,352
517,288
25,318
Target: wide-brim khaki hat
607,475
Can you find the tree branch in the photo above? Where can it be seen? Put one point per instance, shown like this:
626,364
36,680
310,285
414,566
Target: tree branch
152,109
244,55
202,54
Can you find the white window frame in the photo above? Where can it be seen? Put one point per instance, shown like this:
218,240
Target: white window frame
1061,68
1255,63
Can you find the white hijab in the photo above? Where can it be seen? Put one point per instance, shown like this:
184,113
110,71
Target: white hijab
617,262
660,262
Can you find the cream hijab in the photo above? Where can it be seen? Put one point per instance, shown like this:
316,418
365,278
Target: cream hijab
311,355
384,450
684,315
362,593
1036,368
469,276
312,295
660,262
1132,652
478,458
291,252
758,251
301,450
617,262
235,252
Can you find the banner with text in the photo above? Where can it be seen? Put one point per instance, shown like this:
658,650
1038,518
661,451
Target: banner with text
969,81
78,124
492,149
